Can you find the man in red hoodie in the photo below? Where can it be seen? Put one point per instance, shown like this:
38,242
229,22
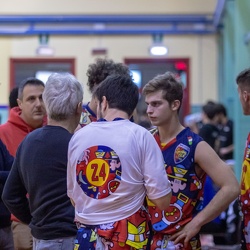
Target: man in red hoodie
29,115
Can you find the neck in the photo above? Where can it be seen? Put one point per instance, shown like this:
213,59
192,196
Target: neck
111,114
69,124
34,123
169,131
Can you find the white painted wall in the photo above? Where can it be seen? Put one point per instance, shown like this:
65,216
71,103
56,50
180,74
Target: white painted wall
202,50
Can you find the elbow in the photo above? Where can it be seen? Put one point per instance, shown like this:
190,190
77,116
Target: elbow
237,191
234,191
164,202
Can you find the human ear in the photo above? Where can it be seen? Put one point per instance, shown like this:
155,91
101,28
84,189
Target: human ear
19,102
175,105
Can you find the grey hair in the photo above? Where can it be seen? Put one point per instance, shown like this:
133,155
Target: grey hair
61,95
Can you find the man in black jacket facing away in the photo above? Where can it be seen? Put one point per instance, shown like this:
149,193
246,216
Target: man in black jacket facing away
40,169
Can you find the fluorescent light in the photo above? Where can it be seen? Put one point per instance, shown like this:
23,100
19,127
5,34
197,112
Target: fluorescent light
158,50
44,50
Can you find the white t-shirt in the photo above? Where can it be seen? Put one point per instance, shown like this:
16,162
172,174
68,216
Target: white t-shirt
112,166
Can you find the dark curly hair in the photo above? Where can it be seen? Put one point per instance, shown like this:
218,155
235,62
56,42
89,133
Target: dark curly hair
97,72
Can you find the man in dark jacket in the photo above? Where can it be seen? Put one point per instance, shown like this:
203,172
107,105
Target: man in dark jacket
6,238
40,169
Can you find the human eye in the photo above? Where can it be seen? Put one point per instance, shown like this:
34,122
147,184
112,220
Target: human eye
31,98
155,104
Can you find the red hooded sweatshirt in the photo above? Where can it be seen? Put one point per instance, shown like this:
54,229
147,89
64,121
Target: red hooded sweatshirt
13,132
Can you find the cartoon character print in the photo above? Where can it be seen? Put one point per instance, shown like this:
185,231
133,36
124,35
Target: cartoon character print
86,117
165,244
85,237
162,242
132,231
183,183
245,178
245,194
136,235
98,171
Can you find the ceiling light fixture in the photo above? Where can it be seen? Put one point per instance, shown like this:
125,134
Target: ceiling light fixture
158,49
43,49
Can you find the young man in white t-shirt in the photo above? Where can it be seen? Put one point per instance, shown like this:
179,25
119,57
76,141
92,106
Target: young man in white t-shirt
112,165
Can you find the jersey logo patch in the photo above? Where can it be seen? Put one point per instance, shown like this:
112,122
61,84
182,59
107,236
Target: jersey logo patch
180,153
98,172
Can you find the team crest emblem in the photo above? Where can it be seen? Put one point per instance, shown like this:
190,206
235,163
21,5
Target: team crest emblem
180,153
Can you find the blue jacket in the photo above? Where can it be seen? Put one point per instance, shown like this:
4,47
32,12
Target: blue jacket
6,161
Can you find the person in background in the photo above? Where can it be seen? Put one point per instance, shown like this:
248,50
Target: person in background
187,161
243,83
226,146
112,164
6,237
29,115
96,73
40,169
209,130
6,160
13,96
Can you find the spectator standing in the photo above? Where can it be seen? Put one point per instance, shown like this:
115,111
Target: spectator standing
226,146
6,237
13,98
23,119
40,169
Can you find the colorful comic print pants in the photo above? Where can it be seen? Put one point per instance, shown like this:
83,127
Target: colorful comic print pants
245,232
127,234
161,242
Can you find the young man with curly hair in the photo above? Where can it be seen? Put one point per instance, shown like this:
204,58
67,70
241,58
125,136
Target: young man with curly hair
96,73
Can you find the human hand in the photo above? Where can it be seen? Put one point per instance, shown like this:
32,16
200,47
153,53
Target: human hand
186,233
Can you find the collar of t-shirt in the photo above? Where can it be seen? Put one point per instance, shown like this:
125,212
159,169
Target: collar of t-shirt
116,119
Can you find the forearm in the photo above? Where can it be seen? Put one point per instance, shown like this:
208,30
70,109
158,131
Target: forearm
217,205
227,150
18,206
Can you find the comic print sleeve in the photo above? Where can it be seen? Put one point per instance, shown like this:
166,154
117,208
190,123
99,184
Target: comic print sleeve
155,177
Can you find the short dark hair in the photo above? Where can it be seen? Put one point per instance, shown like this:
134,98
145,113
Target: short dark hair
120,91
13,97
221,109
211,110
102,68
169,83
243,78
28,81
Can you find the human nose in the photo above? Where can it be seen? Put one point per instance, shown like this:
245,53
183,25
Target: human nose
149,109
39,102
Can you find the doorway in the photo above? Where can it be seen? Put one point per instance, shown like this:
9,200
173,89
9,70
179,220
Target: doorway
41,68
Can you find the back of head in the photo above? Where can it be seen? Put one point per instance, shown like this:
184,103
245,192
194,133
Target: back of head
28,81
13,97
120,91
61,96
221,109
170,85
102,68
210,110
243,79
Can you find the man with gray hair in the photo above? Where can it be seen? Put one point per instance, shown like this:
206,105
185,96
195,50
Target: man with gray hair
40,169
